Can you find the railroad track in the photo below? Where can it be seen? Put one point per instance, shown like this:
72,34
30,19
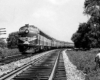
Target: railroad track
60,73
48,67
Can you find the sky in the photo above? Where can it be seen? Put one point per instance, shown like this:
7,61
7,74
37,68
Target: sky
58,18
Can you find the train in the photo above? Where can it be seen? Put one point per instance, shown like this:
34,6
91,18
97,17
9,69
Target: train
30,37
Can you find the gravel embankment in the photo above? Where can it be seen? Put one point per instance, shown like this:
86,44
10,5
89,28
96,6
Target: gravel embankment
71,70
4,69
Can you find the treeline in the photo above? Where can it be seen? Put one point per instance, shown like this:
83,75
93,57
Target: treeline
88,34
3,44
12,41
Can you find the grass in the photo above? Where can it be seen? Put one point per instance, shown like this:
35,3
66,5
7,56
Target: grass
5,52
84,60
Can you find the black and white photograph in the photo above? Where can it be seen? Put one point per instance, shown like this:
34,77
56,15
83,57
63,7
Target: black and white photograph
49,39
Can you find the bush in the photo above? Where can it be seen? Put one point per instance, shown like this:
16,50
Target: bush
12,41
8,52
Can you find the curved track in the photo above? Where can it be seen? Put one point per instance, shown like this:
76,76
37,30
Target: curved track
48,67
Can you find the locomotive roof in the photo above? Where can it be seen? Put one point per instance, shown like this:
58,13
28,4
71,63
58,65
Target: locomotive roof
27,25
45,35
40,32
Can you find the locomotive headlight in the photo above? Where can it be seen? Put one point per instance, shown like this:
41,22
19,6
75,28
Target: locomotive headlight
26,31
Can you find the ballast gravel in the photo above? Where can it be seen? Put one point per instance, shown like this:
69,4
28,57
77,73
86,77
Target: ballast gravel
4,69
71,70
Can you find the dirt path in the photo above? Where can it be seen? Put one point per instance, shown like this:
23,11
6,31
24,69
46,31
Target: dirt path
71,70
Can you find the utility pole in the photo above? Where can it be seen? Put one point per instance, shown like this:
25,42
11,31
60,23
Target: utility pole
2,31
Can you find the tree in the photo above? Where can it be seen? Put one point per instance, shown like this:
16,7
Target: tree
76,38
89,31
12,41
79,38
2,43
92,8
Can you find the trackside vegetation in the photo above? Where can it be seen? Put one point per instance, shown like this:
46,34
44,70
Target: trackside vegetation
12,41
87,37
88,34
85,61
5,52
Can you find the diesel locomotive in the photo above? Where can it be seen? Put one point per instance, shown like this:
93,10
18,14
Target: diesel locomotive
30,37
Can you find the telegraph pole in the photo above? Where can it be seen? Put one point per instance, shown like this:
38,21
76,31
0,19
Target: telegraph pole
2,31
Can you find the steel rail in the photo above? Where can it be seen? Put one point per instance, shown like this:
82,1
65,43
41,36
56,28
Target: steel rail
54,68
12,74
